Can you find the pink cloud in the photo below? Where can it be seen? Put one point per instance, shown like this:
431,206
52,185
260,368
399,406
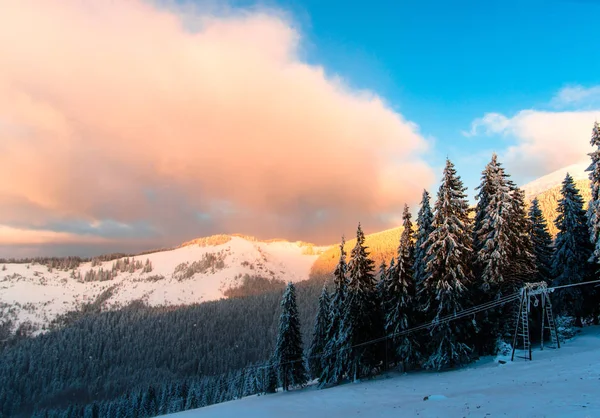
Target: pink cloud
100,101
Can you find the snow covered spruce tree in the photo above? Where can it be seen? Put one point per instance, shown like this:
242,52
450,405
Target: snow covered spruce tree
270,377
541,241
384,285
319,339
523,266
495,246
593,213
385,304
592,299
448,276
332,373
380,286
424,228
573,250
288,352
503,250
492,238
401,298
362,316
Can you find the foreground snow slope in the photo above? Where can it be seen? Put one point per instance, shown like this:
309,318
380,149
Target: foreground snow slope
33,292
557,383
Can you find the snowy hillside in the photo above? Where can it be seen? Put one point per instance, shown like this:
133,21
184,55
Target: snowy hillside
557,383
190,274
554,179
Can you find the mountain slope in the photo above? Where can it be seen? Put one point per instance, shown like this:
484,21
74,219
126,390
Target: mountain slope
199,271
557,383
547,190
381,245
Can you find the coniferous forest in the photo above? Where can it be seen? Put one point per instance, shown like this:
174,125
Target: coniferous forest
141,361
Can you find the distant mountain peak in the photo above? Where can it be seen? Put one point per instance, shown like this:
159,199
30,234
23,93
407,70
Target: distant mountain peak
554,179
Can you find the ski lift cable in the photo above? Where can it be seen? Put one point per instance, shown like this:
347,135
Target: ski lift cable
441,321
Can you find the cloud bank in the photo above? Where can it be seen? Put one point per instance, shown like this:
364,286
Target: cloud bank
544,141
121,120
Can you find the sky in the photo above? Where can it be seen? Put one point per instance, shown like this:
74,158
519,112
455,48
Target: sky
127,126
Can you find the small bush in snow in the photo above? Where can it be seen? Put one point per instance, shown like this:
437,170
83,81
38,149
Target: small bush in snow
503,348
565,325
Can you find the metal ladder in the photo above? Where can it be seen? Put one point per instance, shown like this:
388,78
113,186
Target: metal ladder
548,316
522,329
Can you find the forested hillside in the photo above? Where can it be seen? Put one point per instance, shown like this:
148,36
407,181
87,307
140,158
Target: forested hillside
103,356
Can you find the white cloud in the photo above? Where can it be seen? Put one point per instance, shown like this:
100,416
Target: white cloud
490,123
545,141
577,95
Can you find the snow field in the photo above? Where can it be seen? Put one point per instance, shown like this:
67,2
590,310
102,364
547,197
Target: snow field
557,383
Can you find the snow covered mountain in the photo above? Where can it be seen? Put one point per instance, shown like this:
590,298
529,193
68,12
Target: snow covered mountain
547,190
554,179
198,271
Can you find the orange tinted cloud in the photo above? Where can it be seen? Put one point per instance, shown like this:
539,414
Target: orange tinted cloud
17,237
115,110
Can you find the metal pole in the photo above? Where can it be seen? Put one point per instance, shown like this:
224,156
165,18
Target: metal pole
543,318
528,332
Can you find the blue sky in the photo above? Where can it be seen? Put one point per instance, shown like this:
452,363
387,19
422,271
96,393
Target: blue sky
443,64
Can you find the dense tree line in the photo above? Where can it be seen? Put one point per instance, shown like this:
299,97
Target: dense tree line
452,262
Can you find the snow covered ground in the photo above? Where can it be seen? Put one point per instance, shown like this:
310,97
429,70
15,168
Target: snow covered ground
32,292
557,383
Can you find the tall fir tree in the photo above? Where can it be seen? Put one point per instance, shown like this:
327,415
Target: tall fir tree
401,294
523,266
543,248
381,284
331,372
501,242
319,339
362,316
592,296
572,250
492,235
270,377
424,228
384,285
448,275
385,302
593,212
485,191
289,356
495,243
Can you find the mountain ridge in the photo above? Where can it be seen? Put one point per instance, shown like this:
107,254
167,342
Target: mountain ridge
201,270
